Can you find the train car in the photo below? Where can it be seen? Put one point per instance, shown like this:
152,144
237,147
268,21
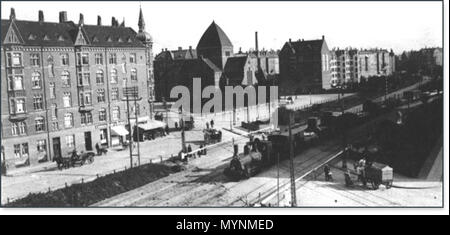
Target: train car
256,156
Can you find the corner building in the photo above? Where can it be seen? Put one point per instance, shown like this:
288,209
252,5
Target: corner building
63,85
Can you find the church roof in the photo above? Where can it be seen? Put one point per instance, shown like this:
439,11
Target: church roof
214,36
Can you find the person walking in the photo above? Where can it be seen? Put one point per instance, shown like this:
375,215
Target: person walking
327,172
212,123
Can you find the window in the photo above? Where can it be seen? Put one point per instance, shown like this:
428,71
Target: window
114,77
86,118
68,120
54,111
19,128
39,124
36,80
17,106
227,53
133,58
98,58
85,98
99,77
65,77
135,110
38,102
41,146
70,141
115,114
14,59
67,100
83,58
35,60
64,59
115,93
133,74
55,125
21,150
102,115
84,78
113,58
15,83
101,95
52,89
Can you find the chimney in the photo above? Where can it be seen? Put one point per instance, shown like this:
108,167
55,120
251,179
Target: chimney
257,49
81,22
323,37
99,20
41,16
190,48
62,16
12,15
290,40
180,48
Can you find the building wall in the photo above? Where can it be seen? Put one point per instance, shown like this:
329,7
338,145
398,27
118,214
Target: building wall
47,77
375,63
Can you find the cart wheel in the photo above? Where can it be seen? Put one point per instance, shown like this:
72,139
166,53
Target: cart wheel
375,185
388,185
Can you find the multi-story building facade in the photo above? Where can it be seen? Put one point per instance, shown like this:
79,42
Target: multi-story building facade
375,62
63,85
344,66
305,66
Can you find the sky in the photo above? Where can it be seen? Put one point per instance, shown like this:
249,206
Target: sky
397,25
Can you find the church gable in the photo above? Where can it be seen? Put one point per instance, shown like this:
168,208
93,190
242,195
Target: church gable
13,35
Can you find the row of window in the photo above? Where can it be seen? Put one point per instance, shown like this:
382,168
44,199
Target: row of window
14,59
21,150
20,128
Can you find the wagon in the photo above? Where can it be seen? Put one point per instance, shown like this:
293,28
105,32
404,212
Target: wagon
74,159
377,174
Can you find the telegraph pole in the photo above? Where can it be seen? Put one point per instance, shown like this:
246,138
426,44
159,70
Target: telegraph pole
130,132
133,93
291,161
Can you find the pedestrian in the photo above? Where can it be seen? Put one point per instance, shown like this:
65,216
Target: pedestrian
326,170
212,123
176,125
348,179
97,147
189,149
167,130
207,125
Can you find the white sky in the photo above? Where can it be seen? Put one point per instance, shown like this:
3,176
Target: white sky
397,25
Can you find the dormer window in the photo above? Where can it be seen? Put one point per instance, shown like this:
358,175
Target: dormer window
46,37
32,37
120,40
109,39
60,38
95,39
129,39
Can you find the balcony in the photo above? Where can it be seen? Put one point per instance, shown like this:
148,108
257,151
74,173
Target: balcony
15,116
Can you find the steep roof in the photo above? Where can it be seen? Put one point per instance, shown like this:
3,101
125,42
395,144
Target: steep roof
214,36
302,46
234,68
184,54
64,34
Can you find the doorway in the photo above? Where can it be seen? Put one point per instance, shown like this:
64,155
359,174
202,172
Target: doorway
57,147
88,141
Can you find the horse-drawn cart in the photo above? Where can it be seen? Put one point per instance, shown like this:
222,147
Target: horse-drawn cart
74,159
377,174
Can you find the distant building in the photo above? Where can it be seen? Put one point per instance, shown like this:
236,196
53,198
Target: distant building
305,66
344,66
214,61
375,62
63,83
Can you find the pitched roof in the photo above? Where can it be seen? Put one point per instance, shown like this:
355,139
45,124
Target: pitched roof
214,36
64,34
302,46
184,54
234,68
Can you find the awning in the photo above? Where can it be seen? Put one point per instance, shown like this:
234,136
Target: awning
119,130
151,125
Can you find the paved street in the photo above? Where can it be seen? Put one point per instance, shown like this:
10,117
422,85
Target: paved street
24,182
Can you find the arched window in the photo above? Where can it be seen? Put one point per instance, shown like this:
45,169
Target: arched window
114,77
100,77
65,77
36,80
133,74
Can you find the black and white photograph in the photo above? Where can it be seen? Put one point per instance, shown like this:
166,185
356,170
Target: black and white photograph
223,104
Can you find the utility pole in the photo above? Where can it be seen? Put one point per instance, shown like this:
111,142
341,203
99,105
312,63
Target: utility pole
278,179
132,93
183,138
291,161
